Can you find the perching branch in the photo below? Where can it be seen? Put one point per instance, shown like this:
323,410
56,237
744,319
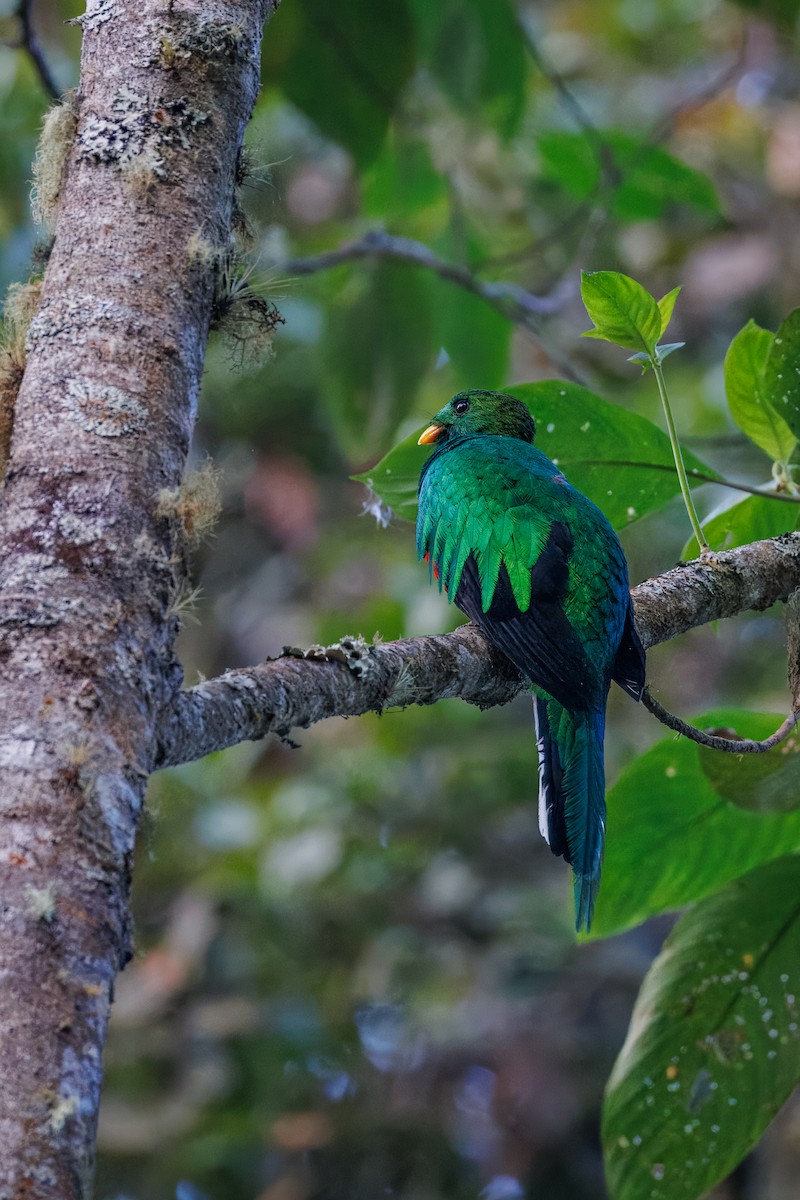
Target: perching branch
353,678
736,744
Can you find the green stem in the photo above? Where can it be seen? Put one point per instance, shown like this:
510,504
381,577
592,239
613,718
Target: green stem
678,456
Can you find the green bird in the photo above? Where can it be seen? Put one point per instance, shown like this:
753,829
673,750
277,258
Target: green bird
537,566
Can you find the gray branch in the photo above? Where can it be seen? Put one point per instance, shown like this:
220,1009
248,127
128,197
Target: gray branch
30,42
352,677
510,299
515,303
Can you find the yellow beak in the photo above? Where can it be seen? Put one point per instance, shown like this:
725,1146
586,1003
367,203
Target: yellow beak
431,434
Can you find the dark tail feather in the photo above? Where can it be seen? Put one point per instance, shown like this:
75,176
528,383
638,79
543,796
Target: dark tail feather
572,806
629,663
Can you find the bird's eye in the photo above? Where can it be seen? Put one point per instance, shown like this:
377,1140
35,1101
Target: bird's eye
460,407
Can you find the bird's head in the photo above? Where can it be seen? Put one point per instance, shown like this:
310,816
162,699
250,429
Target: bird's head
480,412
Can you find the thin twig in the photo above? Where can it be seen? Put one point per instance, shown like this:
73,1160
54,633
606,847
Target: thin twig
732,744
29,42
512,301
581,215
704,94
609,170
609,175
509,298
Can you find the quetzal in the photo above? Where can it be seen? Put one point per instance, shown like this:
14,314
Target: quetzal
536,565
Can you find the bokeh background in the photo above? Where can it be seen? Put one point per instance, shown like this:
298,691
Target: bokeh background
356,974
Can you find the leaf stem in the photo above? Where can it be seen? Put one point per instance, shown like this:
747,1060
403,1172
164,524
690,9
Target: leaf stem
678,455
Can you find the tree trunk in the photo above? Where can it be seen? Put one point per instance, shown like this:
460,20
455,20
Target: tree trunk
102,425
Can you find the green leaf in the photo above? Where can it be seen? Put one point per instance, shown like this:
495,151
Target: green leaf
713,1050
782,372
475,336
661,352
644,360
402,181
622,311
765,783
651,181
749,395
570,160
621,461
378,342
673,839
654,181
744,521
476,53
666,306
344,67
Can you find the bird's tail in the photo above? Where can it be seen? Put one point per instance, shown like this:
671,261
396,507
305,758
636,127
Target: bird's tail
572,799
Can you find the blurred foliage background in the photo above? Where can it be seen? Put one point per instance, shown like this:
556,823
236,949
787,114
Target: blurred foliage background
356,973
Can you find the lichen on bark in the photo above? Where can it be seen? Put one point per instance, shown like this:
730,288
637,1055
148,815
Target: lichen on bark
102,424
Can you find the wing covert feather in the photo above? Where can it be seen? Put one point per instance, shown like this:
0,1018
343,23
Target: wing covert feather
470,503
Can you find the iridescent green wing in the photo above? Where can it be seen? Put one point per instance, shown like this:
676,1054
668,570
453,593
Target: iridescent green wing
493,498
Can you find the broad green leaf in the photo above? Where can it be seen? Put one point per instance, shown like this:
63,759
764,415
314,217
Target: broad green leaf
402,181
748,393
749,520
569,159
782,372
618,459
343,66
476,53
767,782
654,181
475,337
378,343
650,180
666,306
783,12
622,311
713,1049
673,839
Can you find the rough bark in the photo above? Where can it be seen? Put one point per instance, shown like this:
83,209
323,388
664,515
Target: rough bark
102,424
351,677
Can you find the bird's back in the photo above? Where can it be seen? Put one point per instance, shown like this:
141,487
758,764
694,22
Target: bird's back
504,528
